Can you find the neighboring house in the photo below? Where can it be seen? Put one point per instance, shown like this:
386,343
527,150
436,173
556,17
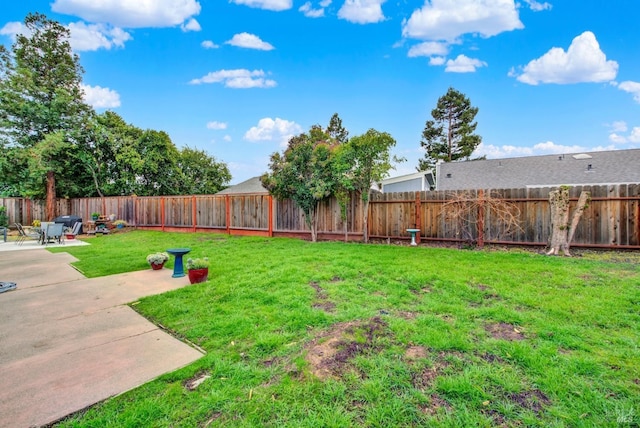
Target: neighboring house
408,183
251,186
589,168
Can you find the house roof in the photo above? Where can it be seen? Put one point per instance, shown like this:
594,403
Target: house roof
250,186
608,167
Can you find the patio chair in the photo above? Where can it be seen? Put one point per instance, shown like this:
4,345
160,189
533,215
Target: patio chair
23,235
54,231
76,228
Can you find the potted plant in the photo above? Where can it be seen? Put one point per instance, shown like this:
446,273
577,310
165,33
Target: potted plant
95,216
112,217
198,269
119,224
157,260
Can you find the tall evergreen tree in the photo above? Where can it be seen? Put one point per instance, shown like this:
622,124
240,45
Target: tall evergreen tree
450,135
41,95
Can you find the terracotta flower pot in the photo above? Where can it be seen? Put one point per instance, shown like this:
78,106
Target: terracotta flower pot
198,275
157,266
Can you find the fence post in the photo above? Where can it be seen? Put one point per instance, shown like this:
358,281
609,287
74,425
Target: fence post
418,216
480,224
135,210
227,213
194,214
162,212
29,214
270,200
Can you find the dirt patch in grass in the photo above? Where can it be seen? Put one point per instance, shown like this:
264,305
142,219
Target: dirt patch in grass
416,352
435,403
322,300
424,290
325,305
504,331
534,400
492,358
329,355
215,416
425,378
194,382
497,418
407,315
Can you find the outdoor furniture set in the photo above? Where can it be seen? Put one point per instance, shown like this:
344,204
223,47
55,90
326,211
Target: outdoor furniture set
47,233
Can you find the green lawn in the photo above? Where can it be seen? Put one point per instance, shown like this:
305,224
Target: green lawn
299,334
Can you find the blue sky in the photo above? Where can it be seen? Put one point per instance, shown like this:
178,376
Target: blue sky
238,78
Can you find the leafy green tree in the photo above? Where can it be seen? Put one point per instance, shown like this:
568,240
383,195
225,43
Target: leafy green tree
450,135
203,175
304,173
369,160
41,95
159,173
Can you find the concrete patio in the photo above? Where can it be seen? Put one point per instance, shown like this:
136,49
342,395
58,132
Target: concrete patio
69,342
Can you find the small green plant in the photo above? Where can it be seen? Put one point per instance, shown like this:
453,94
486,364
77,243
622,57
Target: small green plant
157,258
95,215
199,263
35,223
122,222
4,219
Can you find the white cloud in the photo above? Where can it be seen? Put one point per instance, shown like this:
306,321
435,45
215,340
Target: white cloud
83,37
546,148
249,41
464,64
215,125
428,49
100,97
91,37
277,129
620,127
582,62
632,88
362,11
446,20
275,5
238,78
12,29
131,14
308,11
191,25
437,60
617,139
538,7
208,44
227,138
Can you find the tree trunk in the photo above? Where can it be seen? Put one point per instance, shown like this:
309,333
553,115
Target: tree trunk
50,210
562,232
365,218
583,203
314,223
346,227
559,204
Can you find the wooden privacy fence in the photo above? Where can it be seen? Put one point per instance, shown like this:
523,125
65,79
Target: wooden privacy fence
612,219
